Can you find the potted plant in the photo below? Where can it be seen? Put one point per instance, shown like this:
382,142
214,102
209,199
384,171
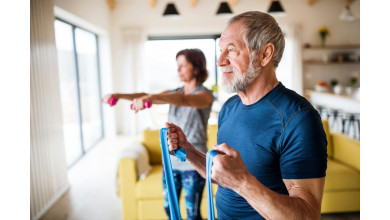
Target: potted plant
334,82
353,86
337,89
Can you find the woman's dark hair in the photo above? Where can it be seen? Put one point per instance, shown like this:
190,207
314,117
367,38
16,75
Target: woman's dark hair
198,61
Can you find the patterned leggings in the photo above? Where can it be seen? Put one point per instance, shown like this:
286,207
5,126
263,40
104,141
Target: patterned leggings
193,184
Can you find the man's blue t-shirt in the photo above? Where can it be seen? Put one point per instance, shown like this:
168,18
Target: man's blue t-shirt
279,137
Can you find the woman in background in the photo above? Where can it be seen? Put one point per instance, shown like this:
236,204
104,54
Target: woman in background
189,108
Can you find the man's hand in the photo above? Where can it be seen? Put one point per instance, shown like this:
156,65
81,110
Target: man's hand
176,137
228,168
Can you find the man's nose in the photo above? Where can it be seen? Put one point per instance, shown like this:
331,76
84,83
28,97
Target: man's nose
222,61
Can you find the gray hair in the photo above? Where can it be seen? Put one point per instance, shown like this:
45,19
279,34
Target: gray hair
261,28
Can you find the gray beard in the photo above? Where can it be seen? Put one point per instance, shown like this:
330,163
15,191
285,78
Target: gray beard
240,81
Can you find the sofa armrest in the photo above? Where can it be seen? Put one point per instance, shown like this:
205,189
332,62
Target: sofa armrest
127,179
346,150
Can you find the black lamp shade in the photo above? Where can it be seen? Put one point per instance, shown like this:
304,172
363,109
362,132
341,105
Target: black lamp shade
275,7
224,9
170,10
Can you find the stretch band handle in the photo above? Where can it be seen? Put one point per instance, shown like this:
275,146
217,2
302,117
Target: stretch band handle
210,203
180,153
167,166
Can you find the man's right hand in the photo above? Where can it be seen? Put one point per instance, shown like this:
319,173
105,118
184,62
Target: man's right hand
176,137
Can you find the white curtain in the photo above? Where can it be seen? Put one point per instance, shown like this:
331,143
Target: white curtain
289,71
130,79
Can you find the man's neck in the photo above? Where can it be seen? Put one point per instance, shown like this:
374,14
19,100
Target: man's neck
262,85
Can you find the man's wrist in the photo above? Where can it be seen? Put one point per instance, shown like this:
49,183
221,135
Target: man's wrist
246,184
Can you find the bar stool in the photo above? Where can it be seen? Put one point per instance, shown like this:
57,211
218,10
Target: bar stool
351,125
335,121
321,110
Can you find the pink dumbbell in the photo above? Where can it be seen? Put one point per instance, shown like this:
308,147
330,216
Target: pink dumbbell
147,104
112,101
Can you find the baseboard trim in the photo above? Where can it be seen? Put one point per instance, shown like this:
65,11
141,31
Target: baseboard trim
51,202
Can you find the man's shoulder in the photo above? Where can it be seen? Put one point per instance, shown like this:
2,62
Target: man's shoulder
288,103
230,102
227,106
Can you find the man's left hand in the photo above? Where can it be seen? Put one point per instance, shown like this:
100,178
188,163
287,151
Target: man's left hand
228,168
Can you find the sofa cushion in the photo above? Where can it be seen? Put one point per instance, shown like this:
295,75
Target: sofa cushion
340,177
346,150
151,140
138,152
151,186
325,124
212,131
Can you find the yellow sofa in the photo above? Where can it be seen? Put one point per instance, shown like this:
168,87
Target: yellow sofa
143,199
342,182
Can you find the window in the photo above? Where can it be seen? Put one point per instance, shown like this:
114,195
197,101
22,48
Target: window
77,53
161,68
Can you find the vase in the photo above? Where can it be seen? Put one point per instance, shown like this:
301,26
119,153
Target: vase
323,40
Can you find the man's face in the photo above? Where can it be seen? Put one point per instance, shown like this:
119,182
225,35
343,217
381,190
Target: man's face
238,70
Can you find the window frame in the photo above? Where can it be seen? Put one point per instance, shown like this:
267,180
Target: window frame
83,151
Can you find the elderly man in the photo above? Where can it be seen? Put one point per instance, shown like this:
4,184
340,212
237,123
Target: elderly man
273,147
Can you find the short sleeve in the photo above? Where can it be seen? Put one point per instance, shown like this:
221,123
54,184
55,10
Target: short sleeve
204,89
174,90
303,145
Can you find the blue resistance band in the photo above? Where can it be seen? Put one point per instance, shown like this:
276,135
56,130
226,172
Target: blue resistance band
210,203
181,154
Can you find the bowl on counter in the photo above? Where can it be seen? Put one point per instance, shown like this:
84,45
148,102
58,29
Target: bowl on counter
319,88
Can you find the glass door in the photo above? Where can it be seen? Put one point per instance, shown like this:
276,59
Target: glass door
77,53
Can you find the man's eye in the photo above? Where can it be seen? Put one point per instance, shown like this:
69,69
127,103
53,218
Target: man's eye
231,50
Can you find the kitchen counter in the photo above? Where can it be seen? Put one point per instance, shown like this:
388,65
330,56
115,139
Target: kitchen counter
342,102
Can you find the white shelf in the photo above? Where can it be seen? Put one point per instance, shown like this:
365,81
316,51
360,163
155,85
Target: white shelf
332,47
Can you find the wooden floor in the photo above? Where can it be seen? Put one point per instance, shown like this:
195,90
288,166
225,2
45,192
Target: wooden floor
92,193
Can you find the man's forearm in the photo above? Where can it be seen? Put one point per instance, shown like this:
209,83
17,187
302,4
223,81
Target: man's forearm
196,159
272,205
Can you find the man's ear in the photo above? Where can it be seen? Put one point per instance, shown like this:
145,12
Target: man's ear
266,54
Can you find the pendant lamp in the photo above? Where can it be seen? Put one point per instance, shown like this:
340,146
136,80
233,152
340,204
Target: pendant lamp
346,14
170,10
224,9
276,9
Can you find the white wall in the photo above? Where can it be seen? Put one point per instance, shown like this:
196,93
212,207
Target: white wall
137,14
202,19
48,171
93,11
94,16
47,159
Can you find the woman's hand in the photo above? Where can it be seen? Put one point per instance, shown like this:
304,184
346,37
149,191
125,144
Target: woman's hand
176,137
139,103
106,98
